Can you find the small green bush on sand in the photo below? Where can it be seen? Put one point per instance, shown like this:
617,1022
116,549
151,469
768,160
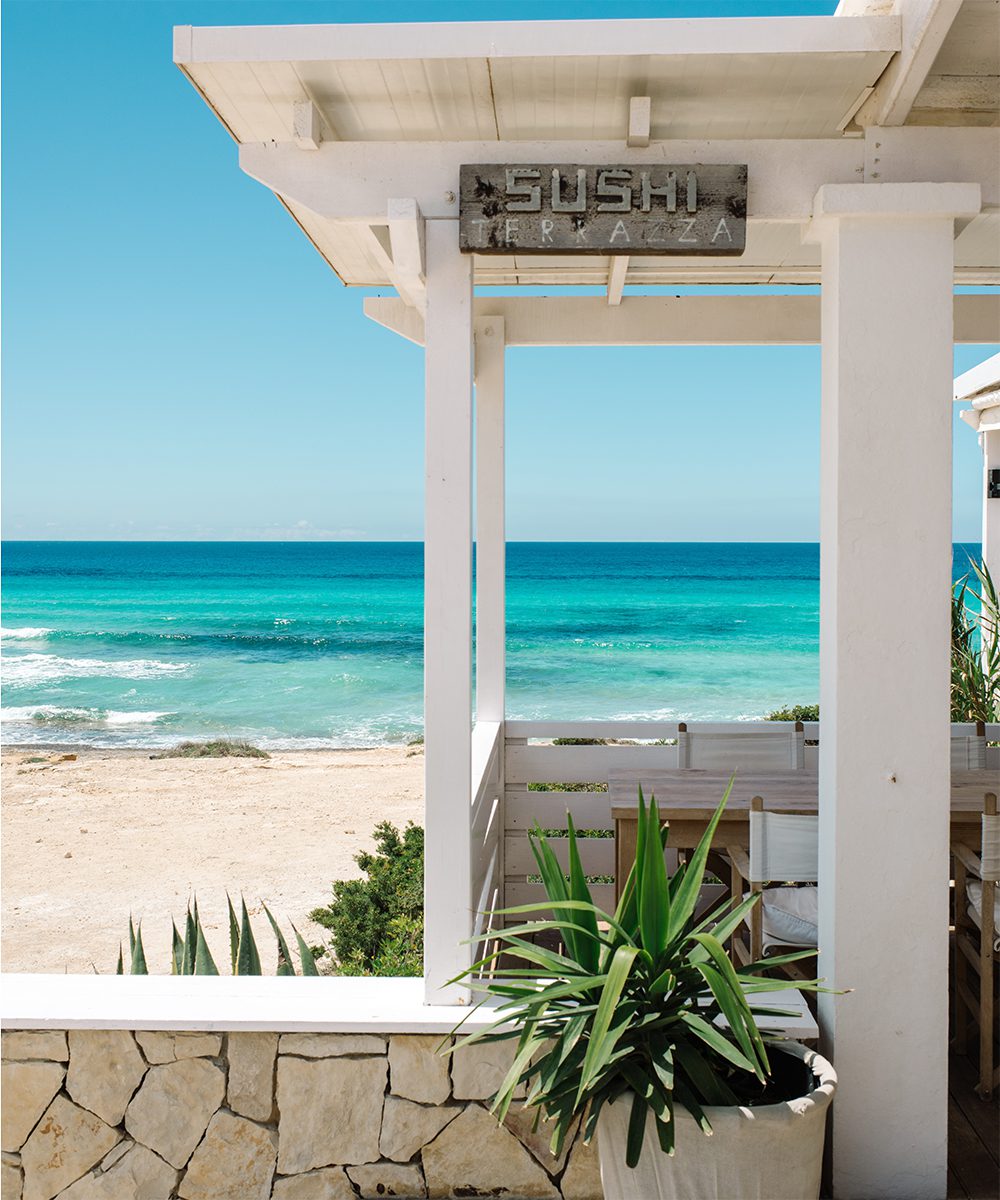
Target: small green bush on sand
220,748
377,922
797,712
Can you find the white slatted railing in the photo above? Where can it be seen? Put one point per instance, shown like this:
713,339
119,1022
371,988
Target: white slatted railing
486,818
531,758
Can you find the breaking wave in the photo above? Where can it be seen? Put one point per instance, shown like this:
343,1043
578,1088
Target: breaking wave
50,668
54,714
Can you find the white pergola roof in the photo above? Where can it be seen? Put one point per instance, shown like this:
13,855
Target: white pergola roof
796,97
523,81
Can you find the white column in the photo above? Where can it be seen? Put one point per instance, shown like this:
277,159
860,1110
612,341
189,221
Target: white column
490,525
447,612
991,508
885,524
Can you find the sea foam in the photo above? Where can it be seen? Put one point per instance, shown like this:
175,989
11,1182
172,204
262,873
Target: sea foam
24,634
49,668
54,714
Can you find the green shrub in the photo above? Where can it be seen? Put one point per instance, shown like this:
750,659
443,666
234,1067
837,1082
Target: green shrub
797,712
220,748
377,923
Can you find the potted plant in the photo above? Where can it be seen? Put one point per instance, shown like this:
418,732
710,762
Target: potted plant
642,1028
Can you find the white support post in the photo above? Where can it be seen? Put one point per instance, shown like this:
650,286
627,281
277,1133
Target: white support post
448,903
616,279
884,783
991,508
490,524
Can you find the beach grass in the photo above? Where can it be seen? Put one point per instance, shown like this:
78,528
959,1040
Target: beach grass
219,748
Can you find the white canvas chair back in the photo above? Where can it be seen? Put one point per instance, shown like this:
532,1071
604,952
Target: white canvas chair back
968,750
732,750
989,863
784,847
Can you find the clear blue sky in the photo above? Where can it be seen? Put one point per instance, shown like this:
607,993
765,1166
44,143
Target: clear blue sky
180,363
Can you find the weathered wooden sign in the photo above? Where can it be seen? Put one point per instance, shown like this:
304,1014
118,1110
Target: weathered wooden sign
653,208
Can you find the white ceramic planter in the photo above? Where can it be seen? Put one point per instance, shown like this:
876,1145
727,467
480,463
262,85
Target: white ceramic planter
774,1152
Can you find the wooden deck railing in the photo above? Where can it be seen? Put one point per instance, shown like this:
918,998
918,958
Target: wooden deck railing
531,758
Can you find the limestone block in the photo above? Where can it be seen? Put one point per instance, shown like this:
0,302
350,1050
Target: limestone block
105,1068
416,1070
28,1089
251,1074
138,1174
389,1179
65,1143
478,1070
330,1045
115,1153
331,1183
582,1178
331,1111
406,1127
10,1177
520,1122
474,1155
171,1110
235,1161
22,1044
162,1047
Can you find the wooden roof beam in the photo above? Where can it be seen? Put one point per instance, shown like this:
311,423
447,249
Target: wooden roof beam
925,25
616,279
668,320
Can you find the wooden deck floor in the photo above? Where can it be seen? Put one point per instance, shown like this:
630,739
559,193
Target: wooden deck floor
973,1137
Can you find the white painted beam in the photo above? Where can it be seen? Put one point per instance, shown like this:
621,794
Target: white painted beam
351,181
616,279
448,903
396,316
406,239
640,109
491,537
981,377
935,155
884,785
925,25
308,125
990,439
405,277
669,320
538,39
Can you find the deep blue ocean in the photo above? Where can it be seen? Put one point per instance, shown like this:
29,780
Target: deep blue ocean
320,644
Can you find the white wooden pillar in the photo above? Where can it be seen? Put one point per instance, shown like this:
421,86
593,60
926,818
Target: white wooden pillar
991,508
447,612
885,524
490,523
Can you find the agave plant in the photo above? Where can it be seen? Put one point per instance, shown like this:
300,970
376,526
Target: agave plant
975,648
632,1003
190,955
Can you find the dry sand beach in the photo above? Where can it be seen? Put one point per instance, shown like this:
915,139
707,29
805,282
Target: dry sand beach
87,841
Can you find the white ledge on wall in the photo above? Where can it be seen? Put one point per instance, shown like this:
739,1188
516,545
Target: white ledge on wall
335,1004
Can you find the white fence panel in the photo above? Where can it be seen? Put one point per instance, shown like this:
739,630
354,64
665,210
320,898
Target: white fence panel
590,810
487,820
597,855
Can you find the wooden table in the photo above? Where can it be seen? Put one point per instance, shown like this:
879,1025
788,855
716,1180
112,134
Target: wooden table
687,798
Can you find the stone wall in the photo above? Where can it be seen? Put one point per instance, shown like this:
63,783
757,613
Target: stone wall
115,1115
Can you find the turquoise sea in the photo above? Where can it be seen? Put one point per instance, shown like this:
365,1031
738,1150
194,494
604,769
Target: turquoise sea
320,644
